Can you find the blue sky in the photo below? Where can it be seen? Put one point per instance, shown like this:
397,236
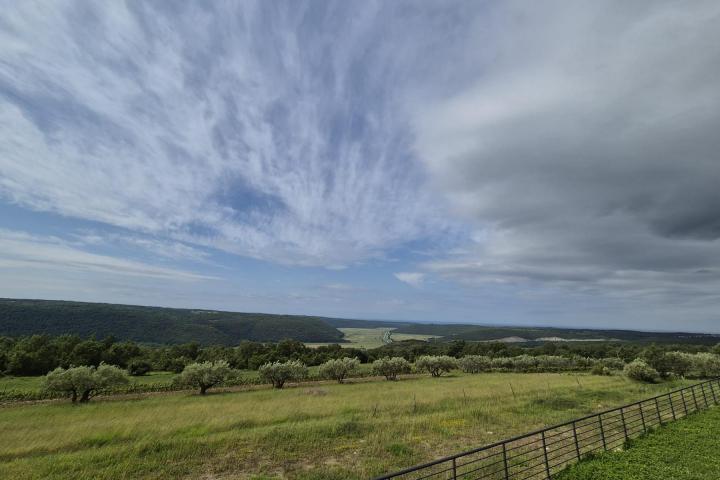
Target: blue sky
492,162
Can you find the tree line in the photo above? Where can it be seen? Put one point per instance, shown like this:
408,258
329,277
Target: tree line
40,354
83,382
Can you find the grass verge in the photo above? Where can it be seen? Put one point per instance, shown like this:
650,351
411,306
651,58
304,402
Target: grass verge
683,450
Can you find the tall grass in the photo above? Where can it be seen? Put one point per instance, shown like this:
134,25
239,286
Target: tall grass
347,431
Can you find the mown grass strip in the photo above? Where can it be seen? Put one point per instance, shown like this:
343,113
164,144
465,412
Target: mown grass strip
683,450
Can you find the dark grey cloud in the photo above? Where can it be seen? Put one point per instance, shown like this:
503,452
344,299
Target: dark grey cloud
588,154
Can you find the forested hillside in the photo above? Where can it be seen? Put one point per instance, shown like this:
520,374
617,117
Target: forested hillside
210,327
158,325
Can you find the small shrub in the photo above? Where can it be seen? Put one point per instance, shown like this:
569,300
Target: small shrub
82,383
435,365
339,369
390,368
205,375
138,368
277,373
640,371
474,363
613,363
600,369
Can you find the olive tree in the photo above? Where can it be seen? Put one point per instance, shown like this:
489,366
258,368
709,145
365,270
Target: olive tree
339,369
640,371
679,363
706,364
474,363
205,375
435,365
277,373
390,368
82,383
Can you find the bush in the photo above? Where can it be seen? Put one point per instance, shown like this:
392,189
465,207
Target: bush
339,369
613,363
390,368
176,365
640,371
83,383
435,365
474,363
138,368
679,363
277,373
657,359
600,369
706,365
205,375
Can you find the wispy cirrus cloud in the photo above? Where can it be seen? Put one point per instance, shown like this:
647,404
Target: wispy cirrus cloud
158,247
21,250
271,131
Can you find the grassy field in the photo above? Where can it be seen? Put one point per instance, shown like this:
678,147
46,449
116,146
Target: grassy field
35,383
350,431
373,337
683,450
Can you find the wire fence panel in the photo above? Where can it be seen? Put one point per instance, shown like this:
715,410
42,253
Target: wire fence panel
541,454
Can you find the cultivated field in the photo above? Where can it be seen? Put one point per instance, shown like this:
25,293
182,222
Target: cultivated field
327,431
373,337
683,450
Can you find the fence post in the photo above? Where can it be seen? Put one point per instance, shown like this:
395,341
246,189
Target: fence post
505,462
454,469
602,432
547,464
672,407
577,445
712,389
692,389
657,409
702,388
642,417
682,394
622,417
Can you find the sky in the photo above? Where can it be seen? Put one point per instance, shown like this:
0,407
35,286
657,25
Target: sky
496,162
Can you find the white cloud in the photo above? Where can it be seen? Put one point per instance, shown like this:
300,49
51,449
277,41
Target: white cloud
224,126
20,250
156,246
414,279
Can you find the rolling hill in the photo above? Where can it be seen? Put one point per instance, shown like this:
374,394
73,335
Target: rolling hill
158,325
210,327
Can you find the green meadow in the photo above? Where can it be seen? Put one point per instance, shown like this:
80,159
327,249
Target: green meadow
323,431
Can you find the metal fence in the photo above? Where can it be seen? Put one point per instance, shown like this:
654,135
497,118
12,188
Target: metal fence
542,453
